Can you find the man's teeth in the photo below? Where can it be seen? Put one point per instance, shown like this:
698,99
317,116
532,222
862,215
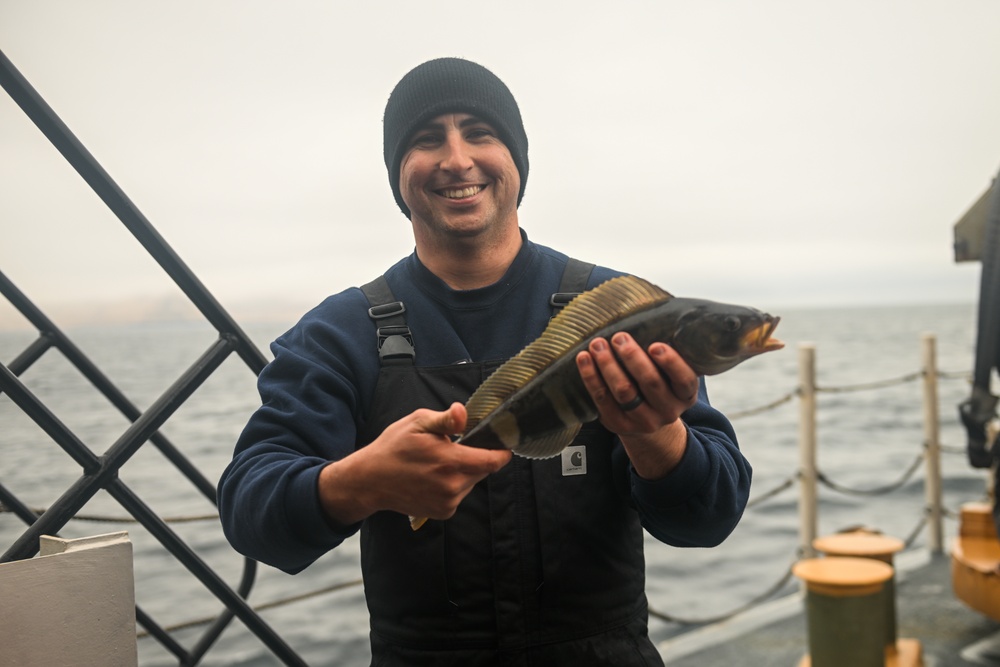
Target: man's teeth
461,193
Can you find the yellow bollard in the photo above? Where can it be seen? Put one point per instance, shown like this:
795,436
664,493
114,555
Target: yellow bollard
864,543
867,544
845,614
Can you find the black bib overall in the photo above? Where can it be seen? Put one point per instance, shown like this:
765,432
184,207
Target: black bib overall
542,563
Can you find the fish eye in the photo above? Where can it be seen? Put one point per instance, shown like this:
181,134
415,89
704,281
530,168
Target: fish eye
732,323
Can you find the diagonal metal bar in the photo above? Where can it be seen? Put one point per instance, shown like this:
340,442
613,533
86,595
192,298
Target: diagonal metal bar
42,115
30,354
41,415
161,635
52,335
14,504
234,601
106,477
63,509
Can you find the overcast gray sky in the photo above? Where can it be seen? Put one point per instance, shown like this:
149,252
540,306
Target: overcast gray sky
773,152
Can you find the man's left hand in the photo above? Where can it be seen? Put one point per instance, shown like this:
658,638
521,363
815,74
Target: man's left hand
640,395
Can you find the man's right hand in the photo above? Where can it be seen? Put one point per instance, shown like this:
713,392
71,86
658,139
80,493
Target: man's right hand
414,467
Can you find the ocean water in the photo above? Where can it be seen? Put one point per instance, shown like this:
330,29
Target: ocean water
867,439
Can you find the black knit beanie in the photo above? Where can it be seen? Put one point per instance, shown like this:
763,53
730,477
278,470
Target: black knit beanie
450,85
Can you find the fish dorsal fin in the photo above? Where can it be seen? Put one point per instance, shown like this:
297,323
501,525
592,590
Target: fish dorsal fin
547,446
578,321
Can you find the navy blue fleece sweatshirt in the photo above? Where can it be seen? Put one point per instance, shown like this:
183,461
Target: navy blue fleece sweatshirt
317,391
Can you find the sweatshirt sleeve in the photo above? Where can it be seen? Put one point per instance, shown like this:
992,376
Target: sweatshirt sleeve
699,503
268,495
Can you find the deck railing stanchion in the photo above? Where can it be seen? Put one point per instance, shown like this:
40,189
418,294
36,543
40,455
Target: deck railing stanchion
932,444
807,449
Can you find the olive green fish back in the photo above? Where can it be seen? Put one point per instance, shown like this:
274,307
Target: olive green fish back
579,320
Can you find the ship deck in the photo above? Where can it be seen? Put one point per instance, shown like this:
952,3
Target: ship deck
950,633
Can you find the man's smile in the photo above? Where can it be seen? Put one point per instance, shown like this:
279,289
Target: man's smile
462,192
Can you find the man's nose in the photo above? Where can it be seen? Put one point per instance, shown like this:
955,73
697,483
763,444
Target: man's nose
456,156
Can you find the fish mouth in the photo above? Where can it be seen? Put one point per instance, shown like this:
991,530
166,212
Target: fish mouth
759,339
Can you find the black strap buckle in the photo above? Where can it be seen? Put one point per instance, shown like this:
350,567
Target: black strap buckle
386,310
395,344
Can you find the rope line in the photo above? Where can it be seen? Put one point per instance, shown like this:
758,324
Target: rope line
822,477
863,386
101,518
753,602
878,384
764,408
787,484
912,537
258,608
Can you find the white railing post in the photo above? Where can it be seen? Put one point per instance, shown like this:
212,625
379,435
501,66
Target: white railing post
932,445
807,449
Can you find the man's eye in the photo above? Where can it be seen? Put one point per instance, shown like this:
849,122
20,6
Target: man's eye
425,140
479,133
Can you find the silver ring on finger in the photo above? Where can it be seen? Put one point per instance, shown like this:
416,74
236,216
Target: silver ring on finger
633,404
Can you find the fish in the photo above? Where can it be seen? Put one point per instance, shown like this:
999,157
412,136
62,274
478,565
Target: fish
536,403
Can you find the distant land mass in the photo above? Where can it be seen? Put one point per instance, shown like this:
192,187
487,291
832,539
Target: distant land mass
160,308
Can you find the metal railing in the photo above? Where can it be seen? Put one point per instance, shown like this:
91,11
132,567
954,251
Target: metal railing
100,471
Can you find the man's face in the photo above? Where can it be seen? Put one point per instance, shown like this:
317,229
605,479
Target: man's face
458,178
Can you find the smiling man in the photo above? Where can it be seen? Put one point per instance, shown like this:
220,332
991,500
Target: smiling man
524,561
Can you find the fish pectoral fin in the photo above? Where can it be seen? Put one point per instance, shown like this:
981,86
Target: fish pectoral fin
547,446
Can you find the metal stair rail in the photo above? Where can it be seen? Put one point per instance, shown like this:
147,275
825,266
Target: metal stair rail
100,470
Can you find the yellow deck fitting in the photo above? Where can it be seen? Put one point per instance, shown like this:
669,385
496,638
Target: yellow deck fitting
864,543
845,609
975,561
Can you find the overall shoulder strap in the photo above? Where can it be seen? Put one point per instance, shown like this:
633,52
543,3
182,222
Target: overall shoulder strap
394,340
574,281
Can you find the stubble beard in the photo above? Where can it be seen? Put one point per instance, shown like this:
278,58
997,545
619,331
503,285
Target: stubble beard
464,239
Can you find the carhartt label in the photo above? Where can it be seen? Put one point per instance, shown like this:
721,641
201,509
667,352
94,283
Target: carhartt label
574,461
